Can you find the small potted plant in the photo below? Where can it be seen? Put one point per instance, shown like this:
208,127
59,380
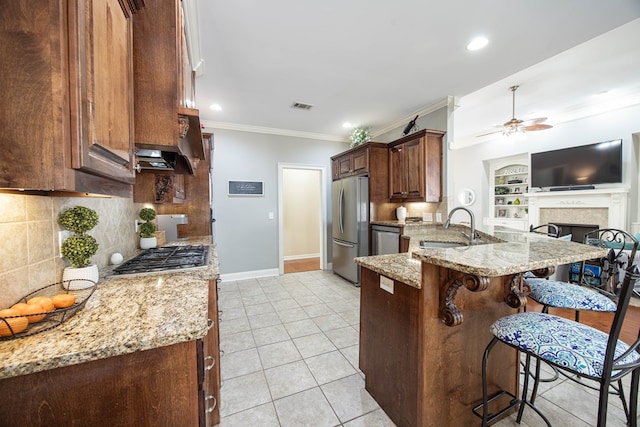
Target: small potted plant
79,247
360,135
147,229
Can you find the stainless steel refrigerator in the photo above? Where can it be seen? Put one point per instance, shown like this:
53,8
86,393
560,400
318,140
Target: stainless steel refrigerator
350,225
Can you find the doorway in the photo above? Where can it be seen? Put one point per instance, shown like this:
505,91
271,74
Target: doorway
302,207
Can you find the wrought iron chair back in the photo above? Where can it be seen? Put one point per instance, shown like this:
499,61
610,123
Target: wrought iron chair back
621,254
552,230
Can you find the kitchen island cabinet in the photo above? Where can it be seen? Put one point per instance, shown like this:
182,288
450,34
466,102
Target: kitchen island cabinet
425,317
143,351
67,110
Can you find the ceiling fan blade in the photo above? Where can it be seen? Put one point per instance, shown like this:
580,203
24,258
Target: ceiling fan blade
537,126
535,121
490,133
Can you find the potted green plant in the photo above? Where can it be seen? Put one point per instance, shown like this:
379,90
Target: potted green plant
79,247
360,135
147,229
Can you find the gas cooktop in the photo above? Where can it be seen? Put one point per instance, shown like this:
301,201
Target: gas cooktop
166,258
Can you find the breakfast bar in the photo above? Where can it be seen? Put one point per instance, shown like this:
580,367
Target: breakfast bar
425,317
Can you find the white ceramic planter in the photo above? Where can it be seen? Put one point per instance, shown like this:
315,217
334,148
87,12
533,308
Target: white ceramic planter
80,278
148,242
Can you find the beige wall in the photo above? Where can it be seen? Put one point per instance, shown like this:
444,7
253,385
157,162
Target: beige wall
29,252
301,212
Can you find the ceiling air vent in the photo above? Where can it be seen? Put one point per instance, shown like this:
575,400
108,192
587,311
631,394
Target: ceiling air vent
301,106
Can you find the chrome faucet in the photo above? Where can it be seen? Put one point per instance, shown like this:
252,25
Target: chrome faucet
472,234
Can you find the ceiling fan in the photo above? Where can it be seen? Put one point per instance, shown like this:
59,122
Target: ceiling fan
516,125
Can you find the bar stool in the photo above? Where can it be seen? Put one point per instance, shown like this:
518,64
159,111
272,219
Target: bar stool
571,347
590,293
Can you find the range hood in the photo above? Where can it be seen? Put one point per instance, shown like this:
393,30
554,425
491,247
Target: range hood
155,160
181,154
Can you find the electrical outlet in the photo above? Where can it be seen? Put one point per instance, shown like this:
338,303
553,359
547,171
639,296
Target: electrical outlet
62,236
136,225
438,217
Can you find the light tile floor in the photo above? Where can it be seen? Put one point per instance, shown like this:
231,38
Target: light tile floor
290,358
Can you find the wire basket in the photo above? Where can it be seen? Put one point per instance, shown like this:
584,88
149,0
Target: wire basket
52,318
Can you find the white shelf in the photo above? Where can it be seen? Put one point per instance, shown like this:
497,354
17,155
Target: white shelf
503,170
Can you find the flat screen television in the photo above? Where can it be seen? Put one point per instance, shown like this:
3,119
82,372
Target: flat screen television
582,166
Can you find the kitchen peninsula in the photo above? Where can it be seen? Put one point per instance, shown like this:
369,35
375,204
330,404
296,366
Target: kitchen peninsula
141,352
425,317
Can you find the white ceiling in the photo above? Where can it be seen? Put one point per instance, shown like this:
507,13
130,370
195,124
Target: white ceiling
377,63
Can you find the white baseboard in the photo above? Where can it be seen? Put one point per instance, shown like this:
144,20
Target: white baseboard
244,275
304,256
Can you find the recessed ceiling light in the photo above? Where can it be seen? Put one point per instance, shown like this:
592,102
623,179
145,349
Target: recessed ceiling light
347,125
477,43
215,107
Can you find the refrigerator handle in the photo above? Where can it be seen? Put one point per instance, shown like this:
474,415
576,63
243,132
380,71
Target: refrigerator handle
341,209
348,245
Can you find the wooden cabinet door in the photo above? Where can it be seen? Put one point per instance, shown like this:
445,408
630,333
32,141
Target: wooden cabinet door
212,362
433,172
101,89
335,169
414,169
344,166
397,177
360,161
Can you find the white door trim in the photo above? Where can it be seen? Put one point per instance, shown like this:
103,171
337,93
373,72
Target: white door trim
323,213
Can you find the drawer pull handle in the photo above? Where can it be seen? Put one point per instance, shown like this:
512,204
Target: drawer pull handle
210,324
215,403
212,363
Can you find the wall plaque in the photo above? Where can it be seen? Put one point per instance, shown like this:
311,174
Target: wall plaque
246,188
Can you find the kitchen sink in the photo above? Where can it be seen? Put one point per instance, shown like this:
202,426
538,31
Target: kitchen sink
430,244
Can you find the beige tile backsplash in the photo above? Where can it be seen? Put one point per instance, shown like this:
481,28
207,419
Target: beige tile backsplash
29,253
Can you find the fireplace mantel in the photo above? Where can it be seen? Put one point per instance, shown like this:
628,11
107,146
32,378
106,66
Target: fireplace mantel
613,199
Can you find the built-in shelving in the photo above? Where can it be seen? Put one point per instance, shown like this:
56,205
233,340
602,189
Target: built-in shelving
508,204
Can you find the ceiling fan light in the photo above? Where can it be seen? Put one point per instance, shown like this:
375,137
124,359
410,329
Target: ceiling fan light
510,130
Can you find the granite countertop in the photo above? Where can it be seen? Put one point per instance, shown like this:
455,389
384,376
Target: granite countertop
124,315
505,252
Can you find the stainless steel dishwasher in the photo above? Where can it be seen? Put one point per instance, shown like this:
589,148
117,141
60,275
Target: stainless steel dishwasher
385,240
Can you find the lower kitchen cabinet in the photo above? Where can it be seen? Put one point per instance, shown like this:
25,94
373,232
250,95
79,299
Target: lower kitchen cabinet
175,385
209,396
151,387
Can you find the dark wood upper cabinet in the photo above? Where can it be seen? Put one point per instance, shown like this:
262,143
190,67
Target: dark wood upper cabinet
67,110
165,84
356,161
415,167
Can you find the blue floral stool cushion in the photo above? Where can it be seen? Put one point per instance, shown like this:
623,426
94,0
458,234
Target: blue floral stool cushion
568,295
566,343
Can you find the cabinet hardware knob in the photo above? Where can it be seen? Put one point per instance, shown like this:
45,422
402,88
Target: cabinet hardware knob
215,403
212,363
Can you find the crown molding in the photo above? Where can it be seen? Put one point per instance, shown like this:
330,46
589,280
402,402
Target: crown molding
402,122
272,131
192,33
325,137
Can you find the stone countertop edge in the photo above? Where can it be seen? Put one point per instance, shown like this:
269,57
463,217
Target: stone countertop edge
124,315
401,267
